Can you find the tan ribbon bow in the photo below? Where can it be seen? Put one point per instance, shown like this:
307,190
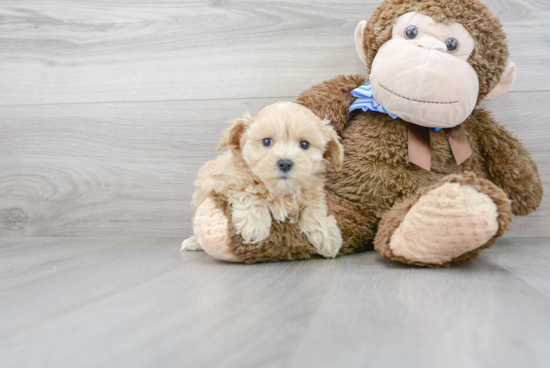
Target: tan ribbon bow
420,152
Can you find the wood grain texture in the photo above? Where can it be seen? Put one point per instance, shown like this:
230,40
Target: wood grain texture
138,302
76,160
107,169
127,168
136,50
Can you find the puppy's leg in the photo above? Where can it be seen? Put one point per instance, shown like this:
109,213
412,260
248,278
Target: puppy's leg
251,217
191,244
321,230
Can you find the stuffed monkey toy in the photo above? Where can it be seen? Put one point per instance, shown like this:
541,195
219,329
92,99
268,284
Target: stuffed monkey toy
429,177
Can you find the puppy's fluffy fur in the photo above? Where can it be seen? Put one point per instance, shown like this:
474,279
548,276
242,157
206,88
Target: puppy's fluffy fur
259,190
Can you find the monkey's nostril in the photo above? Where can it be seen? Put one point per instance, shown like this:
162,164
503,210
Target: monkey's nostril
285,165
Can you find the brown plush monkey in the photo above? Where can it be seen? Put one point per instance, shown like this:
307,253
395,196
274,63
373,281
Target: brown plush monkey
429,177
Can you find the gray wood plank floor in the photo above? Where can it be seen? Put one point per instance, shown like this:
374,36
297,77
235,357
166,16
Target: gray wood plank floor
90,302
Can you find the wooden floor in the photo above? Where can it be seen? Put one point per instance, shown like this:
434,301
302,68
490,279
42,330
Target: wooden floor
138,302
107,110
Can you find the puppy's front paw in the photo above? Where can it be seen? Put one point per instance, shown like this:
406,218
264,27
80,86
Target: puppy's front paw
191,244
325,236
334,237
254,225
279,213
254,234
326,243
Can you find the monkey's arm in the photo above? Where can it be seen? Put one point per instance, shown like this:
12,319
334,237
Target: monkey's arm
510,166
332,99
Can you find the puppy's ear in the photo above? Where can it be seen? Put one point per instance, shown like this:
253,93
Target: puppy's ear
232,135
335,150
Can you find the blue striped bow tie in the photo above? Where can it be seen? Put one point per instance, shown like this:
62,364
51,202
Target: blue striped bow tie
366,102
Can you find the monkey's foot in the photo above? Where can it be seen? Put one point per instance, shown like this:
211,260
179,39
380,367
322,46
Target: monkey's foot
217,237
447,223
210,226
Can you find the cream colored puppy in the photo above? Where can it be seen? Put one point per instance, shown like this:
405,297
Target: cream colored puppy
275,169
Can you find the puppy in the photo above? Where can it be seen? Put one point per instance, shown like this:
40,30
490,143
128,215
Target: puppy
275,170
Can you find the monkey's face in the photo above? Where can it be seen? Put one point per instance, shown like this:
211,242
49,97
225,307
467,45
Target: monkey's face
422,73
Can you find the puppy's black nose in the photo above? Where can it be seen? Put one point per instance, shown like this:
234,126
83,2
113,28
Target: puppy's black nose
285,165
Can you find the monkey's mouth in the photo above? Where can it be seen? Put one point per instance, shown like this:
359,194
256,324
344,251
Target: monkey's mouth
412,99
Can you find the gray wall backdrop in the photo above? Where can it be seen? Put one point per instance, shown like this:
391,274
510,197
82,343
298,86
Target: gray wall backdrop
109,107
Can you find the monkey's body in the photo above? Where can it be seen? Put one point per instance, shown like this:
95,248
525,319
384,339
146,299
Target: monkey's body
431,62
377,174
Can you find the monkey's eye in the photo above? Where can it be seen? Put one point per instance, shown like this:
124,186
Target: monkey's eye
267,142
452,45
304,144
411,32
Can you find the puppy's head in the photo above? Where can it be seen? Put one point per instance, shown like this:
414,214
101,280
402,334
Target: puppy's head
285,145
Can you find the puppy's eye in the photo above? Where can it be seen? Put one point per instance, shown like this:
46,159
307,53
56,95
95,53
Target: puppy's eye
304,144
452,45
411,32
267,142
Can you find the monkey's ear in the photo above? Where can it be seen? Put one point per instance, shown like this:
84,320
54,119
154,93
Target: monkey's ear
335,150
232,135
359,30
504,83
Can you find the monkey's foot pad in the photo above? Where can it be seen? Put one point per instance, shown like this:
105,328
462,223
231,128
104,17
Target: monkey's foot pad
445,223
211,230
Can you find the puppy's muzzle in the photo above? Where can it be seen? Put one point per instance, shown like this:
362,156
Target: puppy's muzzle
285,165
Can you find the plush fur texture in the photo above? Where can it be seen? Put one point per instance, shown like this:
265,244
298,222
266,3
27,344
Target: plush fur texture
378,192
444,217
380,142
259,191
377,175
377,180
284,243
